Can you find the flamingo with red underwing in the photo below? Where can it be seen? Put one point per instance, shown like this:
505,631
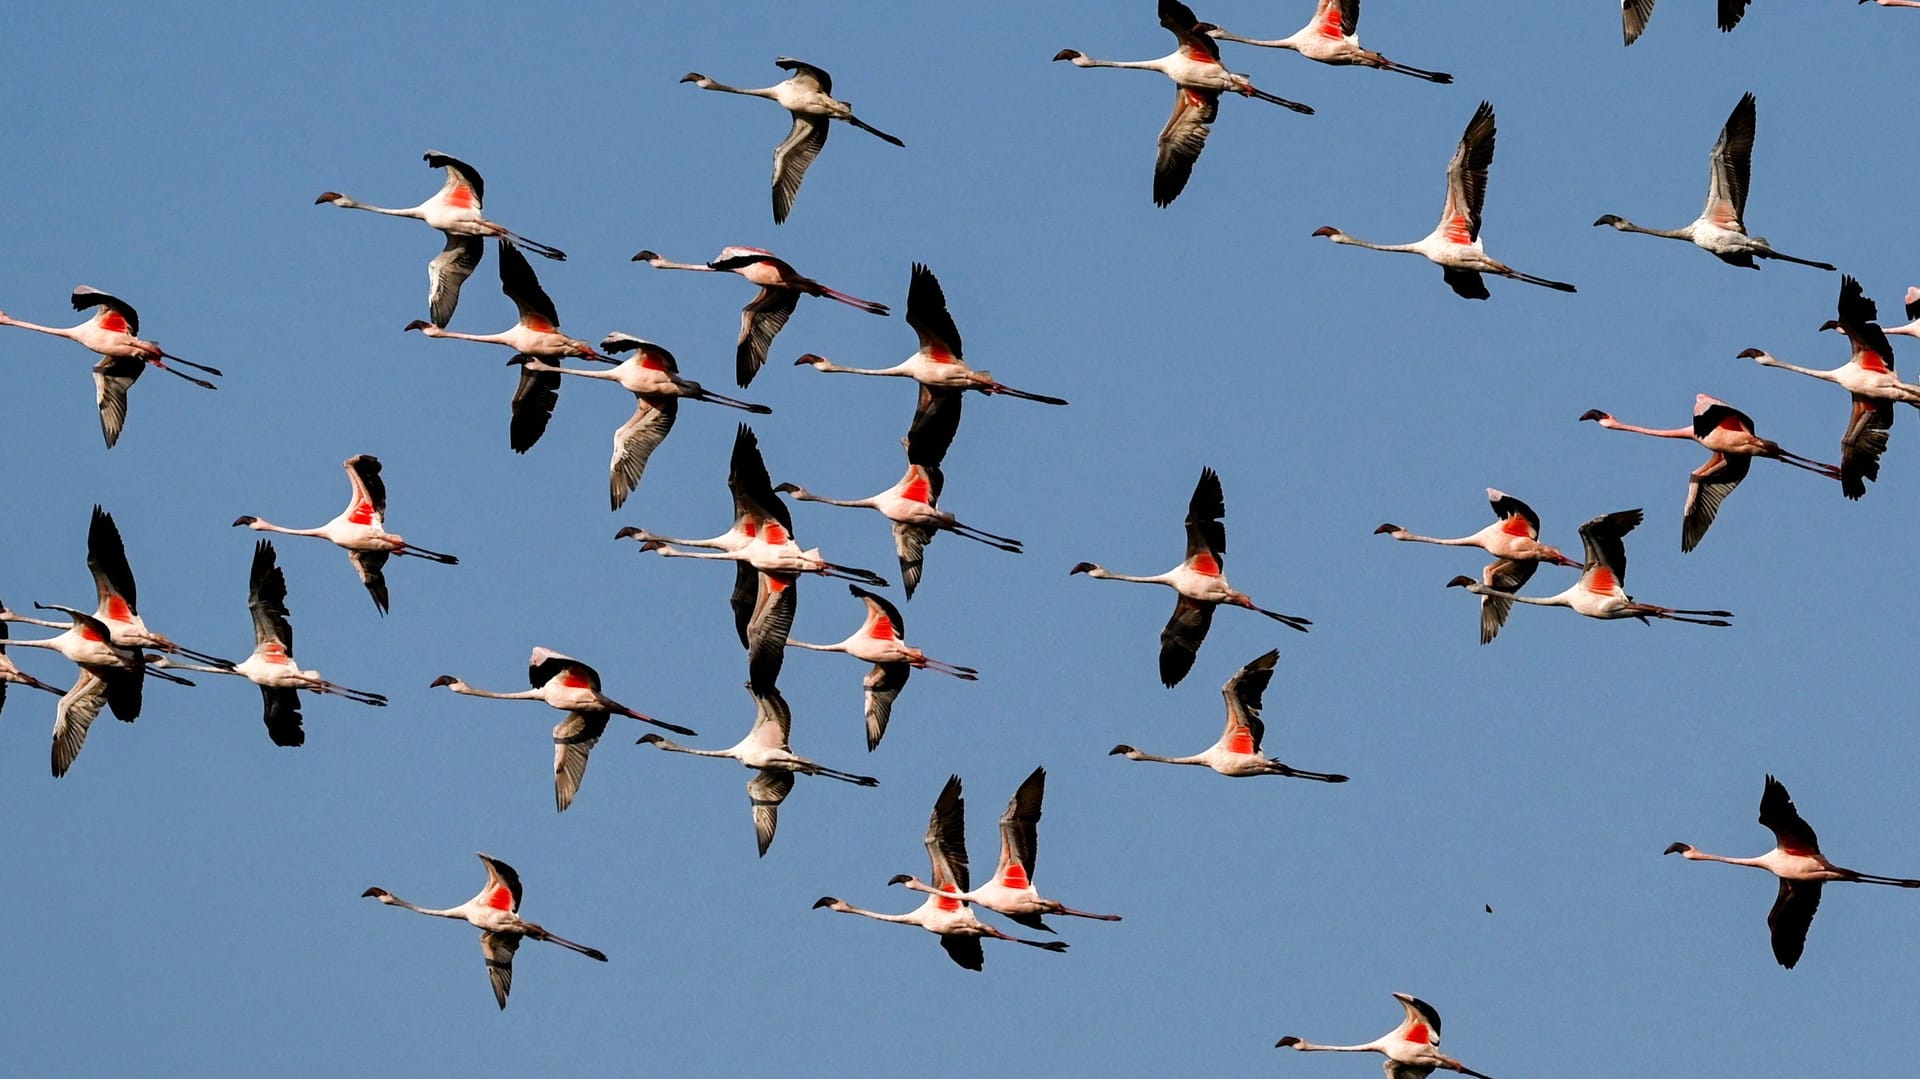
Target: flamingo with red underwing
1200,579
1802,869
361,529
1635,13
1200,78
1412,1049
1454,244
114,333
1601,590
1728,433
271,665
1333,37
944,913
1238,751
1010,891
455,211
882,641
10,674
652,375
808,95
111,674
496,913
1513,540
765,749
781,287
1912,328
1720,230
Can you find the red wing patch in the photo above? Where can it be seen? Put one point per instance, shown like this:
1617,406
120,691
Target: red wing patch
947,902
1331,27
1798,851
113,321
461,196
1015,877
652,364
362,514
117,609
776,584
1871,361
1200,56
749,529
1419,1034
775,534
1239,740
537,324
88,633
1516,525
1457,232
500,899
1601,581
573,679
938,352
1205,564
1731,424
1195,101
919,489
882,629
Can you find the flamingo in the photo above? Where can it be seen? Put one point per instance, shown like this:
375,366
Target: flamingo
808,95
944,913
271,666
1200,78
12,674
114,333
572,687
1601,590
882,641
653,377
1802,869
1412,1049
1719,229
1869,376
1635,13
1728,433
111,674
1912,328
496,913
1514,542
454,210
536,335
1893,3
1011,890
361,529
765,749
1454,244
781,287
1200,579
1238,752
1332,36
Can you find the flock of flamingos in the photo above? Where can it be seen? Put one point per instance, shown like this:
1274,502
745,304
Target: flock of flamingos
115,650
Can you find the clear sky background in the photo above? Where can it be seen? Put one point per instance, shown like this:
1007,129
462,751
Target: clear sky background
187,899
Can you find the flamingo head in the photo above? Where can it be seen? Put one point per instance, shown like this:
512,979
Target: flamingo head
695,76
376,893
811,360
1594,414
791,489
443,680
825,901
1832,324
330,196
900,879
1083,567
419,324
648,740
1611,219
1754,354
1677,848
1286,1042
1118,751
1327,230
645,256
1069,54
631,532
1387,530
1461,582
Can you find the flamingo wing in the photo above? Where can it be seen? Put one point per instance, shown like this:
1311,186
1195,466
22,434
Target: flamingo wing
1717,415
498,948
1181,141
910,543
1243,692
1732,166
927,315
371,566
936,420
86,296
1731,12
1871,349
545,665
522,286
760,321
113,376
1633,18
573,739
791,158
884,620
1505,575
1604,537
746,583
883,684
77,710
368,498
1467,181
1020,832
280,711
965,951
112,575
1180,19
1863,443
1791,917
448,271
1777,814
767,630
772,719
502,890
765,791
1181,639
1206,535
533,401
267,601
1707,487
458,173
806,74
1506,507
635,441
751,487
1422,1023
947,839
1341,17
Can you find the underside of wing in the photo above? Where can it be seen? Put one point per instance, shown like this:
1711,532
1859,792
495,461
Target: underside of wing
533,402
1707,487
1181,141
1180,640
760,321
791,159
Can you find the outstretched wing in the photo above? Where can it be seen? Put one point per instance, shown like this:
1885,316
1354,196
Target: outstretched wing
573,739
1181,141
459,174
1180,640
765,791
806,74
1707,487
883,684
791,159
760,321
1633,18
1732,165
113,376
112,576
1467,179
1243,692
371,566
447,272
77,710
498,948
522,286
1505,575
635,442
116,315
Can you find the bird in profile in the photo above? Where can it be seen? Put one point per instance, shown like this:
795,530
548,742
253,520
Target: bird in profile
111,675
1238,753
1514,542
1333,37
882,641
1412,1049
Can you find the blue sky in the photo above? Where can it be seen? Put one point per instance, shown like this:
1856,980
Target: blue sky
187,898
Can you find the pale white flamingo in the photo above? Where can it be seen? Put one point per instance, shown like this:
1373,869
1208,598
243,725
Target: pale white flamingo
1011,890
1912,328
1728,433
496,913
1454,244
1513,540
1238,751
10,674
652,375
1802,869
1601,590
1333,37
271,665
571,686
781,287
1200,579
765,749
808,95
1200,78
1412,1049
361,529
1635,13
1720,230
882,641
1893,3
111,674
454,210
944,913
114,333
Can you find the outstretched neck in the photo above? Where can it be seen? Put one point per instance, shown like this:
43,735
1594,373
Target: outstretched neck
54,330
1692,855
466,690
395,901
259,525
1612,424
347,203
750,91
1104,574
841,647
1624,225
1278,43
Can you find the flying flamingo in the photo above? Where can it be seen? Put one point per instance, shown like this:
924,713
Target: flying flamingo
1200,79
1454,244
882,641
1719,229
454,210
1635,13
1412,1049
1912,328
1200,579
1513,540
12,674
361,529
944,913
496,913
765,749
114,333
1238,752
1333,37
1893,3
1011,890
1802,869
572,687
781,287
1728,433
271,666
111,674
652,375
808,95
1601,591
